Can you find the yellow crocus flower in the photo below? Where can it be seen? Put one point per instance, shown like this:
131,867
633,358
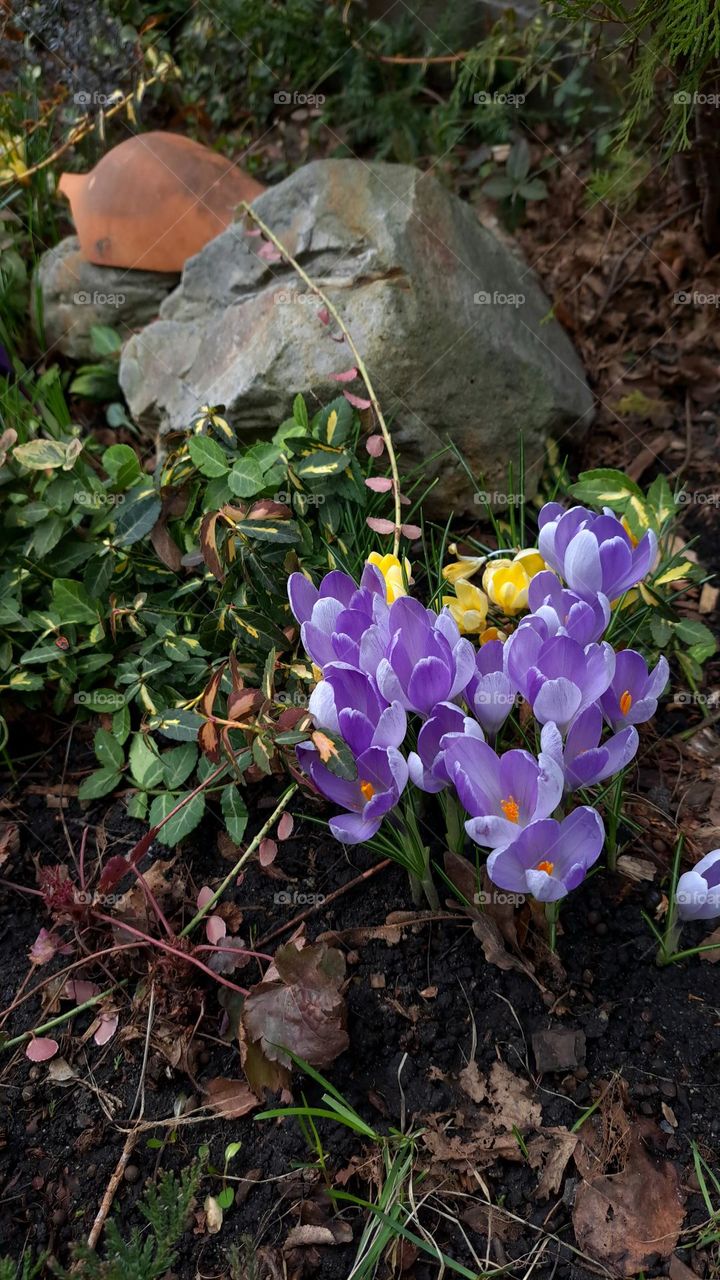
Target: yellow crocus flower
464,569
506,581
468,607
392,572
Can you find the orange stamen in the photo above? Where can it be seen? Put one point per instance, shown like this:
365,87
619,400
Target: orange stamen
626,702
367,789
511,809
549,867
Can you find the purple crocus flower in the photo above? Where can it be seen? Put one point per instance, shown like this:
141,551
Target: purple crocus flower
427,661
490,692
503,793
698,891
593,553
549,858
632,697
558,677
335,617
427,765
347,703
565,612
583,759
382,773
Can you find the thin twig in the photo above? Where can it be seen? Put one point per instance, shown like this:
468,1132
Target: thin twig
359,362
337,893
112,1187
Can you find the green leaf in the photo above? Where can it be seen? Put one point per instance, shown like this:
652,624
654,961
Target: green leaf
179,726
95,382
25,681
225,1197
137,805
333,424
660,498
72,602
300,413
335,754
100,783
517,164
498,187
145,765
178,763
122,465
234,811
184,821
208,456
246,478
138,514
108,750
121,725
604,487
104,341
699,638
47,535
535,189
321,463
269,530
37,455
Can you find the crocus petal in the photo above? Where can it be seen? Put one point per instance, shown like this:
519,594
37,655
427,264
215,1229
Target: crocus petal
303,595
557,700
352,828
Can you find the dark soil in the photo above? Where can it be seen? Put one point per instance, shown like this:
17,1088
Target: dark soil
413,1010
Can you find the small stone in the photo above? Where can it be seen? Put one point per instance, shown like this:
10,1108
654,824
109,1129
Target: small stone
588,977
593,918
667,1089
647,1108
581,1073
131,1174
558,1049
601,929
28,1093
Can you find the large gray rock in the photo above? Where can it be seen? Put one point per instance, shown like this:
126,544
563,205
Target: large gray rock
75,295
453,327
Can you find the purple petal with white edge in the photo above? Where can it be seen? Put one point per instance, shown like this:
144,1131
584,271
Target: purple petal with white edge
463,656
389,685
551,743
580,838
695,901
421,777
399,769
583,569
550,785
303,595
391,726
600,669
429,684
475,768
322,707
352,828
373,581
493,699
317,644
557,700
709,868
586,769
519,779
491,831
446,625
544,887
356,729
507,868
658,679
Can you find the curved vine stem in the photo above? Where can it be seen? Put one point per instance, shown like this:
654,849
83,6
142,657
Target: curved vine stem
359,362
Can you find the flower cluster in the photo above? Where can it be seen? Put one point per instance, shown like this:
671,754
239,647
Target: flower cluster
420,707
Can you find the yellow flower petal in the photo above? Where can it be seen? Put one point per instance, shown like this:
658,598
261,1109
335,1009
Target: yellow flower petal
392,572
463,568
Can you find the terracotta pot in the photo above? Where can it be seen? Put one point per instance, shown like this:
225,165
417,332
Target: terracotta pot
154,201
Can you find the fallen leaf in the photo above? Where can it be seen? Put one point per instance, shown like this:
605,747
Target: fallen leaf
511,1098
472,1082
43,948
628,1209
213,1215
339,1233
231,1098
712,940
550,1151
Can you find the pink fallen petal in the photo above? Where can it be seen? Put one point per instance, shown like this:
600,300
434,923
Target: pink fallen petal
79,990
348,376
269,253
404,502
285,826
253,231
375,446
40,1049
43,948
106,1030
215,929
379,484
380,526
324,315
267,852
205,895
411,531
357,402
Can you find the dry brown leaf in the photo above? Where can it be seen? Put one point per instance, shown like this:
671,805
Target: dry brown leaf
511,1099
336,1233
473,1083
492,1222
230,1098
550,1151
628,1209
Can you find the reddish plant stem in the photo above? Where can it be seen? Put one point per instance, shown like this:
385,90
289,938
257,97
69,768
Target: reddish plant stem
182,956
